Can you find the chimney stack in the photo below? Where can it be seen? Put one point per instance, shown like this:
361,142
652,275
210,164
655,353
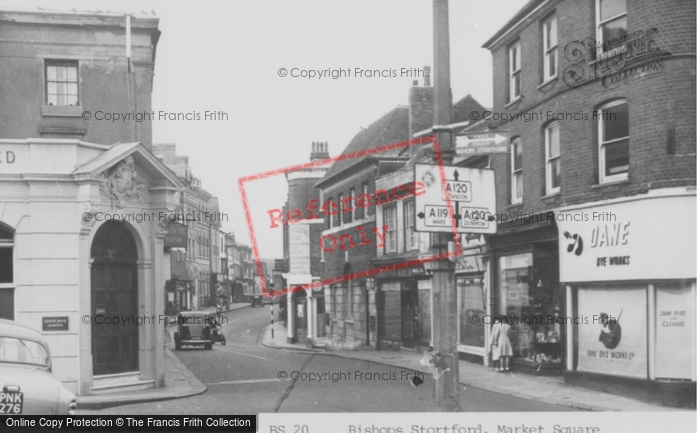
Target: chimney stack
319,150
426,75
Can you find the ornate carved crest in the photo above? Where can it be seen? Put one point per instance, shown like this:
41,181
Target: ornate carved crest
124,184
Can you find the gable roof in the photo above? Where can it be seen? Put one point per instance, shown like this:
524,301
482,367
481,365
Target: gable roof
463,108
390,128
144,157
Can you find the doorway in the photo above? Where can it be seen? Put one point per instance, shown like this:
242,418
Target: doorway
114,298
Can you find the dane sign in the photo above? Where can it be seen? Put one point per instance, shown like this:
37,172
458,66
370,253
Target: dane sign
456,199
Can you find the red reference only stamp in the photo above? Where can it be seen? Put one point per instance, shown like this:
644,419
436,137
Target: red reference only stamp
315,210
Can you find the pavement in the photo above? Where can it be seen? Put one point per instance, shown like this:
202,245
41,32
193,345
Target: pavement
179,381
545,389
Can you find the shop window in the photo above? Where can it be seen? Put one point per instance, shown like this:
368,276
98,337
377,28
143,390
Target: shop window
613,141
552,158
528,294
61,83
514,70
390,317
516,164
411,235
675,330
391,234
471,304
611,25
549,45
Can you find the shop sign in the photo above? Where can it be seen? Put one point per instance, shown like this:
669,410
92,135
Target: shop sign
403,272
176,236
675,322
299,252
612,331
651,238
54,323
468,264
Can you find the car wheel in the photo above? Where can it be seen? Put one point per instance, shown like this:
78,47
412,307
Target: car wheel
223,340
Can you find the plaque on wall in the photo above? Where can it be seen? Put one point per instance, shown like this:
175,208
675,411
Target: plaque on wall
54,323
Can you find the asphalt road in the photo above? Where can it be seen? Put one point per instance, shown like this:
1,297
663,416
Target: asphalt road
243,377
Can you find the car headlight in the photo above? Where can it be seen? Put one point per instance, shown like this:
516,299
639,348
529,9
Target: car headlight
68,398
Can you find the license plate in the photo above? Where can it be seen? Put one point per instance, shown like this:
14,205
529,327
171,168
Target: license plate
11,402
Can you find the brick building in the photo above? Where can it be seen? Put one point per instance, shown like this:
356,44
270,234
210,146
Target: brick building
599,192
392,308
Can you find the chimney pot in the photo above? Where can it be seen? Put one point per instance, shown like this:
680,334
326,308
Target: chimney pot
426,74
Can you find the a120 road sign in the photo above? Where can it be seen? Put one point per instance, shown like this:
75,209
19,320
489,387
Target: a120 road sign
479,143
470,193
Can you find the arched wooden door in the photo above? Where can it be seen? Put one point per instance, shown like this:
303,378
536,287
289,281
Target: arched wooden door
114,294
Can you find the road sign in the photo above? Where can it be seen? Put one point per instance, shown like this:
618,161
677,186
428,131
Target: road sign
470,193
480,143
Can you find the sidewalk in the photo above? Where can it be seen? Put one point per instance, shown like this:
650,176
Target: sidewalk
179,380
545,389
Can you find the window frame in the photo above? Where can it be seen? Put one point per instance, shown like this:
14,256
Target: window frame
601,52
603,178
413,235
548,158
340,209
389,231
514,71
514,199
352,195
61,63
553,50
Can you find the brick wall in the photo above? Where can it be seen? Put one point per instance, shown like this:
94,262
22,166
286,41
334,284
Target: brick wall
662,107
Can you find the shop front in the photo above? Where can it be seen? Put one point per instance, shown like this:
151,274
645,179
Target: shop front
527,292
472,278
404,309
629,267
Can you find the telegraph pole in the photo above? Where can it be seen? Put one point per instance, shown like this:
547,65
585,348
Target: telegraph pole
446,390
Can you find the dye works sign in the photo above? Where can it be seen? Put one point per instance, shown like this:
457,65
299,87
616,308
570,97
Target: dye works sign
612,333
649,238
299,251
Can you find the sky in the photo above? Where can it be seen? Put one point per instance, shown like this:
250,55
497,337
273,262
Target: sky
225,56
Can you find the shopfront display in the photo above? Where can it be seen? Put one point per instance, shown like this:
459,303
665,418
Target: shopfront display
472,303
632,282
404,313
528,295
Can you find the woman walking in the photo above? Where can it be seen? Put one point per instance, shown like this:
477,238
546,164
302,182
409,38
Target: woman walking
500,344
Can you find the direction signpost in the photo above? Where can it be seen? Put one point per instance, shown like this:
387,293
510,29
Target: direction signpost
482,143
470,192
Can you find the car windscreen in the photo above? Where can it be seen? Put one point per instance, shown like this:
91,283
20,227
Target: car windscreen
20,351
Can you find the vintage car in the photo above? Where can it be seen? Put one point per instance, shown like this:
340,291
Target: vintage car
27,386
193,329
256,300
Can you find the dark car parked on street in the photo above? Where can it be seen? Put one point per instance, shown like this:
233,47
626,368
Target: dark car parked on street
193,329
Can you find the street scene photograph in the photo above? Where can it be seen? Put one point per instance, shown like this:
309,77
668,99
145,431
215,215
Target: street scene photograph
391,216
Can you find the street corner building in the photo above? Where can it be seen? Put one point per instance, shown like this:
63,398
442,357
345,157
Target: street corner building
81,218
597,196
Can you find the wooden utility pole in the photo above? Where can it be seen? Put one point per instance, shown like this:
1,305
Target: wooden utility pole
446,390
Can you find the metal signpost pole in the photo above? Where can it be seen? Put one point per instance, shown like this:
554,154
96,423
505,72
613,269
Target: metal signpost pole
446,391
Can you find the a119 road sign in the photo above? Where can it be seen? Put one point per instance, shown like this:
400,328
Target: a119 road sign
456,199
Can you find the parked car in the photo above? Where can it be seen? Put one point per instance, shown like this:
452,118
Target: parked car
256,300
193,330
27,385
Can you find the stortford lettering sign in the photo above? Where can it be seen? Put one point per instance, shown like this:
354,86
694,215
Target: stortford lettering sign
176,236
479,143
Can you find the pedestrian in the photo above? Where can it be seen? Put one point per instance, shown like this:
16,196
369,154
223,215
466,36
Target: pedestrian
501,348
